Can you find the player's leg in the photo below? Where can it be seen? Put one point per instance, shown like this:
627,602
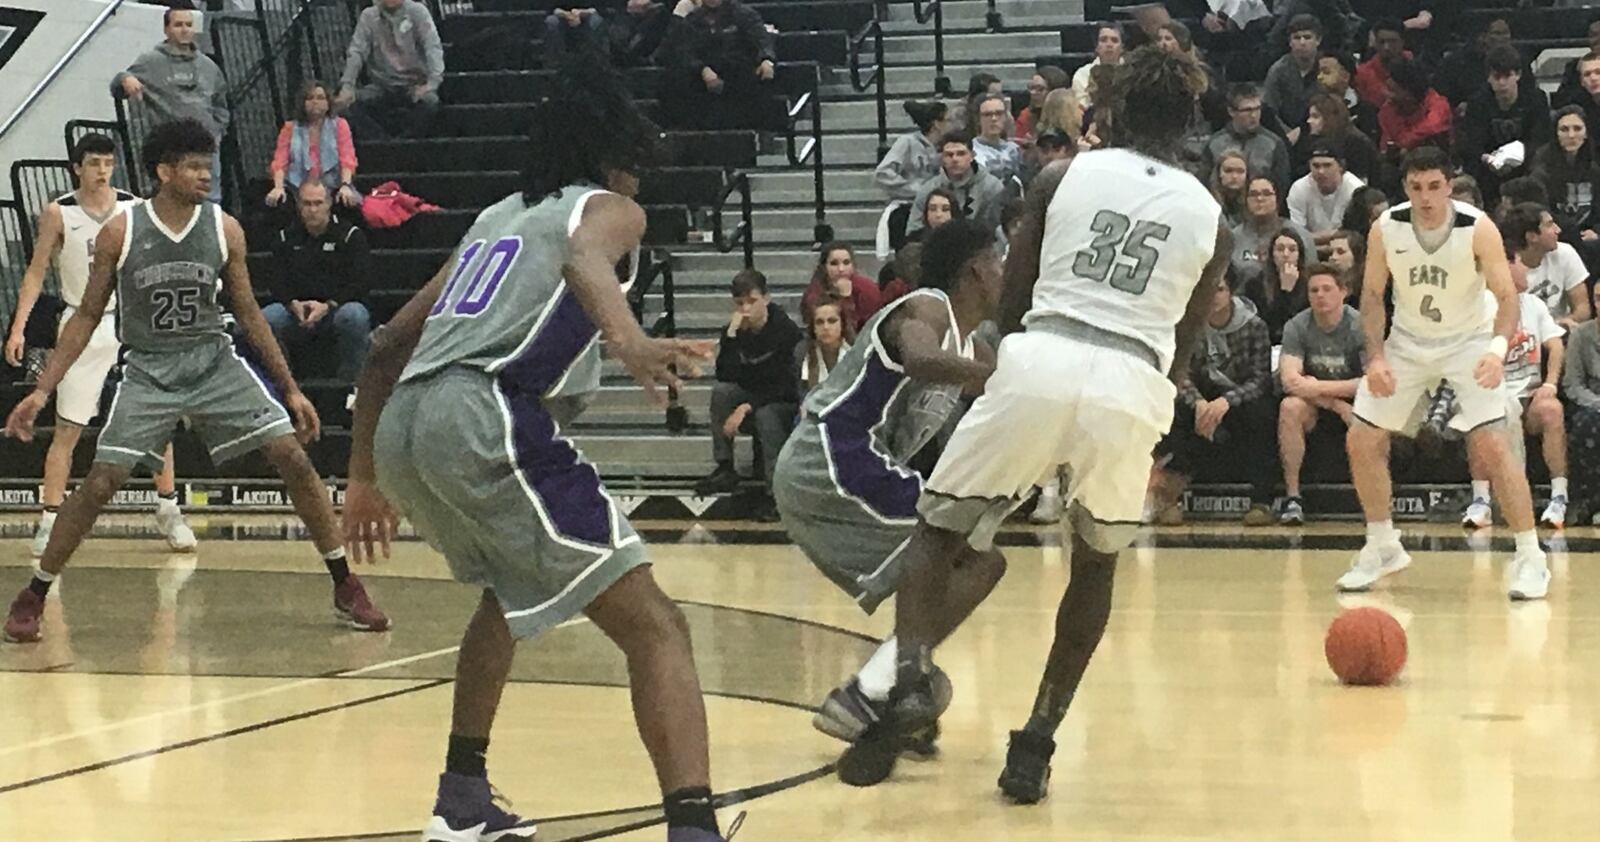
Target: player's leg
1296,419
169,518
1480,511
1546,418
57,470
77,403
73,522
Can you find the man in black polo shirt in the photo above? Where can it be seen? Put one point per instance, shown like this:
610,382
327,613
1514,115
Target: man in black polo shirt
322,271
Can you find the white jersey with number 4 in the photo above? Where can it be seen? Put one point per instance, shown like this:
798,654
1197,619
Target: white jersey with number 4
1126,239
78,230
1438,293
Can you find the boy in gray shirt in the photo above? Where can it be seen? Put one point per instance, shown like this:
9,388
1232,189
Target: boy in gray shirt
398,45
174,81
1319,368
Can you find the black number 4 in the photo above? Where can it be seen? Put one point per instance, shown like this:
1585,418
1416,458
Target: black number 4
1099,261
175,308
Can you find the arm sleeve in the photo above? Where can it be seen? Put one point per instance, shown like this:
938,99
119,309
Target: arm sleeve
280,154
754,28
347,146
869,298
135,70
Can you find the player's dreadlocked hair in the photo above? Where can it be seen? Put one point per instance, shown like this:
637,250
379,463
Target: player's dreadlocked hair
586,125
1152,98
168,143
946,250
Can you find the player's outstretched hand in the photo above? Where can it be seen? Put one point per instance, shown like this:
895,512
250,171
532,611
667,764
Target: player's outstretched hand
1380,378
651,362
1490,370
368,520
20,423
307,426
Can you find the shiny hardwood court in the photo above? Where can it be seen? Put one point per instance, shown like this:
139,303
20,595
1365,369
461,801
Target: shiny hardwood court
211,697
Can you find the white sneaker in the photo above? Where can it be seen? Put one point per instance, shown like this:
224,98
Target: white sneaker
1479,515
1048,510
1555,514
41,536
1530,577
169,519
1371,564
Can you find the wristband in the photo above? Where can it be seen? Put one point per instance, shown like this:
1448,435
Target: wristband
1498,346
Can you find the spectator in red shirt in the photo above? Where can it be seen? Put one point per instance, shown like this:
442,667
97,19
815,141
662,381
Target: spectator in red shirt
836,279
1046,79
1415,114
314,146
1372,77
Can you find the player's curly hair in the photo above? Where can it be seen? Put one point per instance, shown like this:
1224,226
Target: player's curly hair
947,249
168,143
586,125
1152,97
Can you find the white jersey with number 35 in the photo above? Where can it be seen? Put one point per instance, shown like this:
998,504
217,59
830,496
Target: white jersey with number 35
1126,239
1438,293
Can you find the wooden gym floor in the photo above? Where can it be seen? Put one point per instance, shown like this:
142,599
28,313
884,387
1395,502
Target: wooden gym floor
210,697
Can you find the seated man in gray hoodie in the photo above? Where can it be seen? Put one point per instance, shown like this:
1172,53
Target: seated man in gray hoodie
1226,401
174,81
979,195
398,45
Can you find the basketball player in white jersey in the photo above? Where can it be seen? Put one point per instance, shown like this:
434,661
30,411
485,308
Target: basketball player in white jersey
1441,254
1112,254
67,229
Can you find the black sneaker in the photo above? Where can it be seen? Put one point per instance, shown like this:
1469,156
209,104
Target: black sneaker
870,760
1026,778
723,480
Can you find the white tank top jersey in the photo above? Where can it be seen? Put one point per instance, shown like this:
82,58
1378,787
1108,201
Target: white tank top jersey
1439,293
1126,238
78,230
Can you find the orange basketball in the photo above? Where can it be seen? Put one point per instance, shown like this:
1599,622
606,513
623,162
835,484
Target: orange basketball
1366,646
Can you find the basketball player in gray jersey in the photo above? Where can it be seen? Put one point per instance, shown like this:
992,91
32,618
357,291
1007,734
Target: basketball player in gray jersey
166,260
474,377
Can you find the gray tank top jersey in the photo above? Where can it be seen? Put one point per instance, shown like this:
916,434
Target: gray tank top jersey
168,282
505,308
871,407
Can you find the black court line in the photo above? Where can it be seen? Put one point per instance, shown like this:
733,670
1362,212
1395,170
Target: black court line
796,620
232,732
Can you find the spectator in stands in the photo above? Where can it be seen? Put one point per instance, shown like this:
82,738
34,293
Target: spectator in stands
1052,145
1319,369
1347,254
904,273
1366,205
1571,89
175,81
571,27
756,389
1318,201
1292,79
1588,95
1581,382
1332,18
1252,237
1061,113
965,117
836,279
723,59
1046,79
828,336
314,146
913,158
1464,188
995,154
1462,74
1415,114
1225,400
1267,153
1504,125
323,269
638,32
1107,52
1228,179
1556,275
1571,176
1328,126
1212,106
1279,292
1335,71
398,46
979,195
1372,77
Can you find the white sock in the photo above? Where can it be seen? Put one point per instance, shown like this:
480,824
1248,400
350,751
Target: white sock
1558,486
43,575
166,506
1528,544
877,675
47,518
335,554
1480,489
1382,533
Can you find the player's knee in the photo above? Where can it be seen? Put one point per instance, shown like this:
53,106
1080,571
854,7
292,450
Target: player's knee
287,457
102,483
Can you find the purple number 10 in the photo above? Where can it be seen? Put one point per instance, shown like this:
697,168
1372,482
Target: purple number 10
478,292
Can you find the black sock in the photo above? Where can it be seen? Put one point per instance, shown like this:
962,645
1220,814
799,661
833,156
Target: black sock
691,807
40,586
172,496
50,510
467,756
338,568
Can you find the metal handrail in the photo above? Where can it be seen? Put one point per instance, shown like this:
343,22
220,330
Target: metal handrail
810,103
874,30
61,64
743,233
677,415
935,11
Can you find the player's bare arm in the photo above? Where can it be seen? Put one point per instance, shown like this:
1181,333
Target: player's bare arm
236,280
1489,249
914,337
1189,329
1374,319
611,229
45,249
1022,261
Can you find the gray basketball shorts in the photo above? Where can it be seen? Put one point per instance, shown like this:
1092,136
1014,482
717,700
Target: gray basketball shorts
848,508
484,475
226,402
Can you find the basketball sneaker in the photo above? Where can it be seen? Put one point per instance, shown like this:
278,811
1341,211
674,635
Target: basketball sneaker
695,834
1293,513
870,760
351,603
1048,509
1373,563
847,712
22,622
1530,577
1026,777
467,809
1555,514
41,536
1479,515
169,519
